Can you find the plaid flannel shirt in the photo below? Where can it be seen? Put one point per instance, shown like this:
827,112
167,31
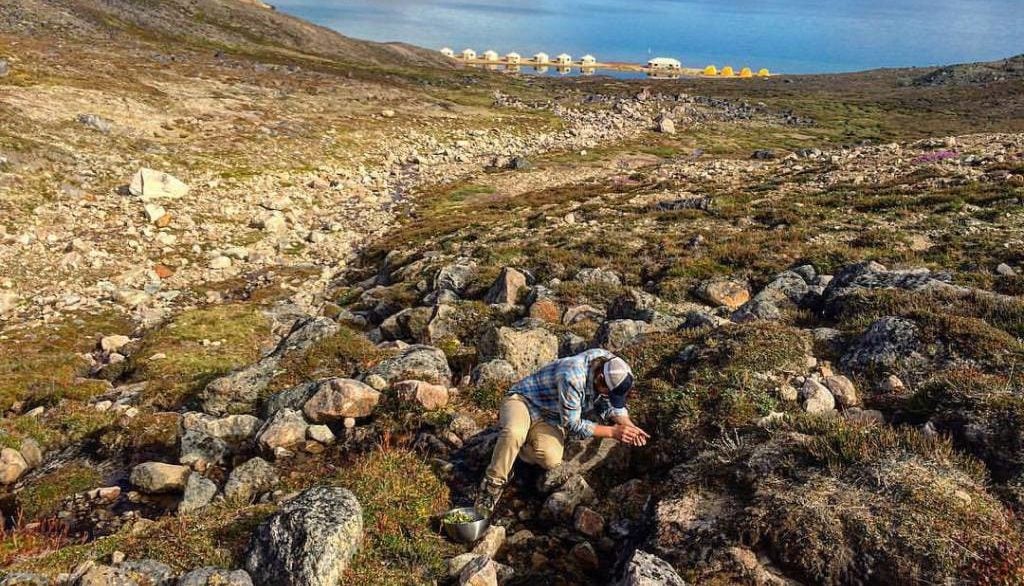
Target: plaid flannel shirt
561,393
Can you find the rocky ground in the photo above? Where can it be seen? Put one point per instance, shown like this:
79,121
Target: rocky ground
260,298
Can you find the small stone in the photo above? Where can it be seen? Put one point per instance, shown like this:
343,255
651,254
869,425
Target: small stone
666,125
892,384
788,392
1006,270
817,398
320,433
286,428
117,557
731,294
585,555
507,287
154,212
520,537
199,491
843,390
220,262
157,477
251,478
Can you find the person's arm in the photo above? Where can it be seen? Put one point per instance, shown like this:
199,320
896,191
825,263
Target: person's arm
570,400
621,417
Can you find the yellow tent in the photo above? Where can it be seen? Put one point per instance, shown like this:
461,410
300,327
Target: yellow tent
711,70
763,73
727,71
746,72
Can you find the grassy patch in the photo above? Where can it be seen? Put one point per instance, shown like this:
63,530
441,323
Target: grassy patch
399,495
43,497
343,354
200,345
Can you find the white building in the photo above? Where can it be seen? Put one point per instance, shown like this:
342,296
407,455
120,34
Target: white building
468,54
447,52
588,60
541,58
664,63
490,55
513,58
564,59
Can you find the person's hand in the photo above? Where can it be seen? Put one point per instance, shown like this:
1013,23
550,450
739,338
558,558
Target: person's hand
631,435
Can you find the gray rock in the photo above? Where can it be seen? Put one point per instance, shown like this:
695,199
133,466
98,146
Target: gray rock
888,344
561,504
616,334
581,458
5,68
22,578
199,491
250,479
310,541
757,310
494,373
31,452
526,348
215,577
238,392
480,571
417,362
871,275
12,465
320,433
153,573
411,323
455,276
592,276
95,122
645,569
293,398
200,449
1006,270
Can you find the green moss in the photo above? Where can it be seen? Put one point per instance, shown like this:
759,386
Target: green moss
42,498
199,346
343,354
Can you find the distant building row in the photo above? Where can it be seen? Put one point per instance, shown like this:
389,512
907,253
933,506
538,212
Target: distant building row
516,58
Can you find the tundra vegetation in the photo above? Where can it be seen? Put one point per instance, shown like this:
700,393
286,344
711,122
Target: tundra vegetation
256,275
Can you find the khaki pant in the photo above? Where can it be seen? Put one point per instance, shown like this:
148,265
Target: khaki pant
537,443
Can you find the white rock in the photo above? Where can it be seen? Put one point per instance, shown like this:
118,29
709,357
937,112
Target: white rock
154,212
113,343
220,262
150,184
8,301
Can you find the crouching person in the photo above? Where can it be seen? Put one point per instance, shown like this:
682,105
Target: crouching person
544,409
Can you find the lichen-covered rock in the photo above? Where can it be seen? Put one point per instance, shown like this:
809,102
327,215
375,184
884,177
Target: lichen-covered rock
249,479
157,477
526,348
149,184
215,577
816,397
616,334
843,390
338,398
731,294
480,571
888,344
310,541
12,465
417,362
757,310
494,373
592,276
645,569
152,572
199,491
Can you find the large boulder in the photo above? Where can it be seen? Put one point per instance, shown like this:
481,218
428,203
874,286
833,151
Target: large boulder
872,275
418,362
309,542
526,348
480,571
410,324
157,477
239,391
645,569
339,398
149,184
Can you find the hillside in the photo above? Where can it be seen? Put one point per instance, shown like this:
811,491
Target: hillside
262,287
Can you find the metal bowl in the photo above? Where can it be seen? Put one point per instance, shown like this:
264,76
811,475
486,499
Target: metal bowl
466,532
